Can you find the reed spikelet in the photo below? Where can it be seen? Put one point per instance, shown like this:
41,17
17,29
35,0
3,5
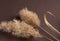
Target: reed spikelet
19,29
29,17
27,27
32,19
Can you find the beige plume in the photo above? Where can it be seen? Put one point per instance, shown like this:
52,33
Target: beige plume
19,29
29,17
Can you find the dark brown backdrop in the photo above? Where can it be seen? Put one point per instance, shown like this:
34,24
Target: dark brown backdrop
10,8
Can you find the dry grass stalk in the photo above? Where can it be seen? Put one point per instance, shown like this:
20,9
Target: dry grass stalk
26,27
32,19
50,26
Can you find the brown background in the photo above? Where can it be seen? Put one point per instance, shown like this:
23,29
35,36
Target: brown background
10,9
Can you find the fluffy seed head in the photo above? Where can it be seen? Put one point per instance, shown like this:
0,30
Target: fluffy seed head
29,17
20,29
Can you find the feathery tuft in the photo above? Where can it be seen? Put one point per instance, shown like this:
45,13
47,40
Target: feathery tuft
29,17
20,29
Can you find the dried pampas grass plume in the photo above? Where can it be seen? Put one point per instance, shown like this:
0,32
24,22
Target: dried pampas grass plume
19,29
32,19
26,27
29,17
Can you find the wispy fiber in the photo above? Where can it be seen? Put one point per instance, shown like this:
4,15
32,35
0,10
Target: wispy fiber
19,29
29,17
